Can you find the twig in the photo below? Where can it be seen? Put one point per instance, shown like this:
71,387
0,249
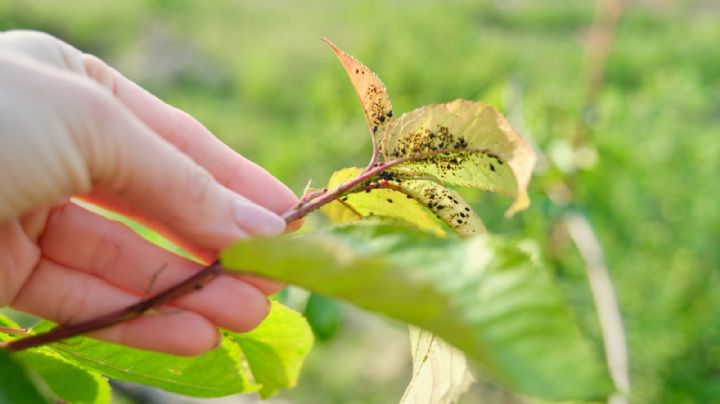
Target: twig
199,279
375,155
15,331
606,304
62,332
377,168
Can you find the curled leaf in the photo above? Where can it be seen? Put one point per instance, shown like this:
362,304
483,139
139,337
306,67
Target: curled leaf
369,89
467,143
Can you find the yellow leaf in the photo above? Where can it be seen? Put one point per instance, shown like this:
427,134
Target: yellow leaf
382,203
447,204
369,89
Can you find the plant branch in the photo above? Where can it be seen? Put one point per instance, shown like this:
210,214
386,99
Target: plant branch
195,282
15,331
308,204
375,156
302,209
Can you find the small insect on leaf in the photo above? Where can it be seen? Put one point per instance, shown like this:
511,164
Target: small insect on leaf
370,90
381,203
466,143
446,204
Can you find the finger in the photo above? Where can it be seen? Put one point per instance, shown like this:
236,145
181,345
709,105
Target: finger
126,159
66,296
113,252
112,203
113,151
267,286
234,171
191,137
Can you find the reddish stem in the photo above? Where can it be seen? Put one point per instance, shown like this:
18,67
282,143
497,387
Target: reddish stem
312,204
375,156
62,332
199,279
15,331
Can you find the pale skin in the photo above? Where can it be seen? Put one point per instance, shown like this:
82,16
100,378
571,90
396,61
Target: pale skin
73,127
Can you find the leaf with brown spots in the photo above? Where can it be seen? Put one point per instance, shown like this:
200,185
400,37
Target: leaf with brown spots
369,89
481,148
381,203
447,204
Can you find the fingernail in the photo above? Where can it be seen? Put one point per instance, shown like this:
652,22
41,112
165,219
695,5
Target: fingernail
257,220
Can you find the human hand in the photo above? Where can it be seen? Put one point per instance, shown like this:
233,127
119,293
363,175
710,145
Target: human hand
72,126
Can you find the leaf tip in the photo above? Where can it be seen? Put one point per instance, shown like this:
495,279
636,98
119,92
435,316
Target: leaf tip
330,44
522,202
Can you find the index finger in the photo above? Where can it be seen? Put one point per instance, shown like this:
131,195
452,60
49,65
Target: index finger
192,138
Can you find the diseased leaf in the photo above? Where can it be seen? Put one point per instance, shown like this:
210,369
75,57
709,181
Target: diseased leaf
483,295
441,374
446,203
483,149
383,203
219,372
15,385
369,89
276,349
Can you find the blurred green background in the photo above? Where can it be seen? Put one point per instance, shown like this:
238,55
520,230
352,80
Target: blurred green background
256,74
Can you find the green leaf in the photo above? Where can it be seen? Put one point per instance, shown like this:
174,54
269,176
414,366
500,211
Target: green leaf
384,203
262,359
483,149
15,385
441,373
276,349
323,315
68,381
5,321
483,295
217,373
370,90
